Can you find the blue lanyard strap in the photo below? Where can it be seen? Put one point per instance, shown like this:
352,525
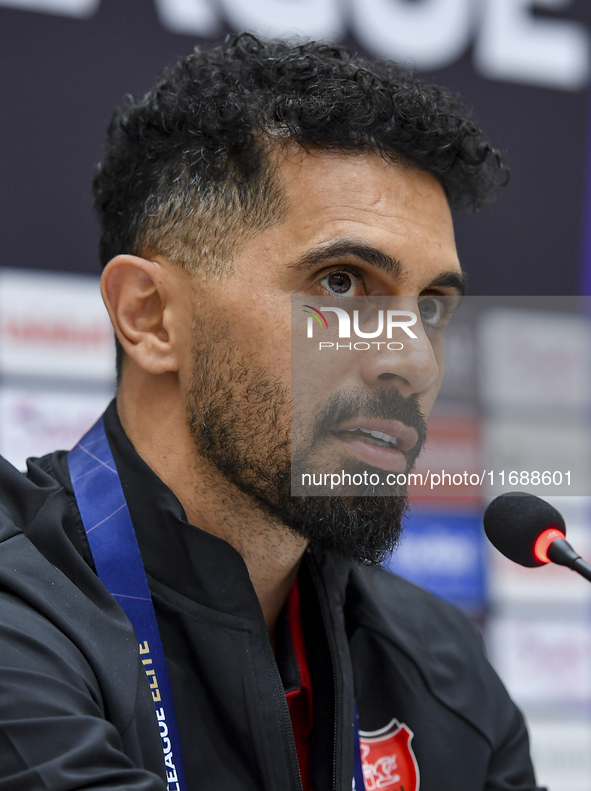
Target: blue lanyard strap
119,565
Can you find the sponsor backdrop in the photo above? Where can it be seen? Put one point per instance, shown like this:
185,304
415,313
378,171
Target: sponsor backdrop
524,66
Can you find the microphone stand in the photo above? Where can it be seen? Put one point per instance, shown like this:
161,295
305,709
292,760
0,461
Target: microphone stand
561,552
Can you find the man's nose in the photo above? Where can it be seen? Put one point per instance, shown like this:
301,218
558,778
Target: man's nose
408,363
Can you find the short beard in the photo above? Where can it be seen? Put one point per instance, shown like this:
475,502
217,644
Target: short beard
239,418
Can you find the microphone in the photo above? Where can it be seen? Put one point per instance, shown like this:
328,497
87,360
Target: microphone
531,532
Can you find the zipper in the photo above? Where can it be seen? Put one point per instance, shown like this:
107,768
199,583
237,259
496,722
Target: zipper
284,717
324,611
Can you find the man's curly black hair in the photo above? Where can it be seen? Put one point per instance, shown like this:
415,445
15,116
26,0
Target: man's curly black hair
188,171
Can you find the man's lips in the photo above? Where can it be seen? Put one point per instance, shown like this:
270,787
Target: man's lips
405,436
366,437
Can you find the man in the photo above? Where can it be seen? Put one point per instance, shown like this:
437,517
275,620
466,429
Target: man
252,173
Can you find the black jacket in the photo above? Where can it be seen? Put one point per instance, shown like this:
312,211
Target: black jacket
75,708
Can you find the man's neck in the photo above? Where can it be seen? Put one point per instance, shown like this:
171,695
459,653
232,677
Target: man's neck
272,553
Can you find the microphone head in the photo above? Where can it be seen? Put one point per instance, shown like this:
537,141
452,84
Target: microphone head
515,521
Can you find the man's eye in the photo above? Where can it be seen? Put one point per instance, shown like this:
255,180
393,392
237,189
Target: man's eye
431,310
340,283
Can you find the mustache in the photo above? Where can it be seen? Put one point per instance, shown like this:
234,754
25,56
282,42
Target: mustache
387,403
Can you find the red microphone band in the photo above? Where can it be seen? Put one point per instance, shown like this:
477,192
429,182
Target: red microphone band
544,540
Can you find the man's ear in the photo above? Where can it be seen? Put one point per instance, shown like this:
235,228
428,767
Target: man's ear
137,293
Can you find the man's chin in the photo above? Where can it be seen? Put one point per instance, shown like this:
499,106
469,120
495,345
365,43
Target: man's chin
362,529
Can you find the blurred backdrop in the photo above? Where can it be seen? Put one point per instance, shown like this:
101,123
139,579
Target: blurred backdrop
524,66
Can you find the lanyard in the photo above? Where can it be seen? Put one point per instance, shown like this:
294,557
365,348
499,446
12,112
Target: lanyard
118,562
111,537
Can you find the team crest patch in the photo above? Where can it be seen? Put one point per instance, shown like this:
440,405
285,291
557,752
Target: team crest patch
388,760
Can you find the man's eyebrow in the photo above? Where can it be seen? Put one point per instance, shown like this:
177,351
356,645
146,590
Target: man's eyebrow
452,279
351,248
348,248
